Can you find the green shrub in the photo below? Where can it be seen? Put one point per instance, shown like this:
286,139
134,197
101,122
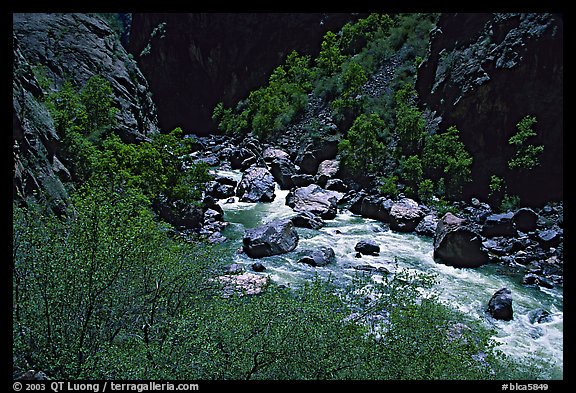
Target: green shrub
389,186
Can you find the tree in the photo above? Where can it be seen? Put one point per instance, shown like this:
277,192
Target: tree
446,159
330,58
363,149
527,156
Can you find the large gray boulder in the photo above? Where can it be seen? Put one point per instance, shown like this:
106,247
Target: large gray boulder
458,244
405,215
314,199
273,238
257,185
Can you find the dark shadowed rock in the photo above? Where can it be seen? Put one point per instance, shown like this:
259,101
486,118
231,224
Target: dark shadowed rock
181,214
533,279
314,199
257,185
283,170
548,237
500,305
458,244
483,66
308,220
405,215
539,315
367,247
273,238
374,207
302,180
318,257
258,267
499,225
336,185
525,220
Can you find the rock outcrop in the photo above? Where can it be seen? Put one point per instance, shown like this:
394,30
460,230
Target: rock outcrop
193,61
47,50
484,73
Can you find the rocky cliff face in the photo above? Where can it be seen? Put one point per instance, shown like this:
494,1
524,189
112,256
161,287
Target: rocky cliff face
193,61
74,47
484,73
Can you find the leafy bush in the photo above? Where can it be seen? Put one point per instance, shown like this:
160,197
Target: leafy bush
330,58
389,186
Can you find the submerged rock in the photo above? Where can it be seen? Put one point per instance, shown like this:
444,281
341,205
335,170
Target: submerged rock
500,305
321,256
367,247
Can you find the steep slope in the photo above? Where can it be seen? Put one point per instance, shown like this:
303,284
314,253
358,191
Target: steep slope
193,61
484,73
49,49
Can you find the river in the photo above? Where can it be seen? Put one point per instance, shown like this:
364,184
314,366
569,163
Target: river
469,290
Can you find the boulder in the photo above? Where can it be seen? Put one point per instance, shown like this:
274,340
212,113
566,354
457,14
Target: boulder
539,315
258,267
243,284
336,185
427,226
238,156
326,171
372,206
318,257
181,214
525,220
405,215
499,225
458,244
270,154
257,185
219,190
500,305
314,199
548,237
302,180
308,220
367,247
533,279
282,170
273,238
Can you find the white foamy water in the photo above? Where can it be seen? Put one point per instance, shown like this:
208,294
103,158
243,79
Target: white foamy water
468,290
